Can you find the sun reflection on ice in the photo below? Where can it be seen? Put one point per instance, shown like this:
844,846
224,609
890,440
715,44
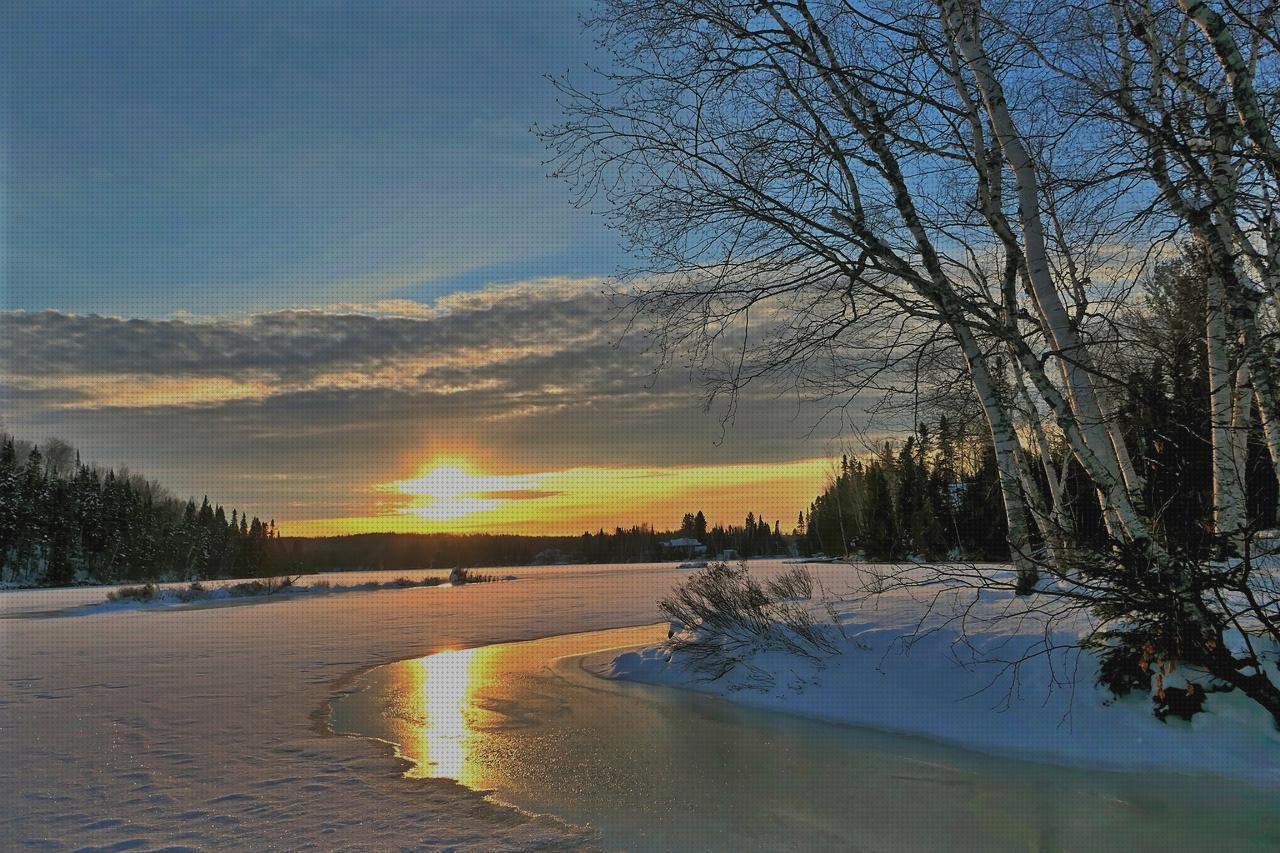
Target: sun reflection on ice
464,714
442,688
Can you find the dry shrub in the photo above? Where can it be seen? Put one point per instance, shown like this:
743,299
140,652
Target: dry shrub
143,593
722,616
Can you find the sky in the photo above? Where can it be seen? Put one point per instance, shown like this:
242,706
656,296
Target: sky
307,259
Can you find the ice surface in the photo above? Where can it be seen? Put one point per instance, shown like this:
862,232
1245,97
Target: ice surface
175,727
193,728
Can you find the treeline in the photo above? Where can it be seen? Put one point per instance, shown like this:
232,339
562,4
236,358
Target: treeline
938,494
755,537
641,543
397,551
934,497
63,522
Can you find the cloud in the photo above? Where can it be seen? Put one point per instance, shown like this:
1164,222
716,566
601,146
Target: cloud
304,410
459,344
519,495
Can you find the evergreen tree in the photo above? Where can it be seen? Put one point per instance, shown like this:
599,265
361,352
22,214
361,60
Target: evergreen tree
63,522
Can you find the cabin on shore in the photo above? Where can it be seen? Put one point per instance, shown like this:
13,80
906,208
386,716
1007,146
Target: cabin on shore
686,548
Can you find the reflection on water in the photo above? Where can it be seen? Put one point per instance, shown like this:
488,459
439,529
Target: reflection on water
438,691
455,714
659,769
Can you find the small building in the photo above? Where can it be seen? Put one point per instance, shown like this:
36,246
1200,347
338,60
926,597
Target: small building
685,547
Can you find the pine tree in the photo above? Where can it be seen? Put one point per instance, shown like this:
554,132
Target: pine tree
62,521
880,540
8,504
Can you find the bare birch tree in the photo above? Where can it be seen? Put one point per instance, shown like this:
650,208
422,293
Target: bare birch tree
864,186
1173,89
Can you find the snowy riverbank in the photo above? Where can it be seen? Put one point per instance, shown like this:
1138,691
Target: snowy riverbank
88,600
200,728
895,673
151,596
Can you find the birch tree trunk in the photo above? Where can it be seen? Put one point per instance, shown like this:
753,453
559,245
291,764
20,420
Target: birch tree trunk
1241,426
1239,77
1228,488
1009,463
1099,431
1262,370
1057,527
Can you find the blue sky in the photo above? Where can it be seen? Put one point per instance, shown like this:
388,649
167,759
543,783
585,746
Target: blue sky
198,172
223,158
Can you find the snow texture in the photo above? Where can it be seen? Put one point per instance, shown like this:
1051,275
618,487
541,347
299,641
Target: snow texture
197,728
897,673
201,728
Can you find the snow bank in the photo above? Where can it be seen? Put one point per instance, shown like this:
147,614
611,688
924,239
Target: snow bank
89,600
897,674
242,591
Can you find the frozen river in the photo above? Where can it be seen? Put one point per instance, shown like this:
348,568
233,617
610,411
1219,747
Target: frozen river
201,729
656,768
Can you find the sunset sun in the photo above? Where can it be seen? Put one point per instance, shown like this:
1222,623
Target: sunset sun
449,488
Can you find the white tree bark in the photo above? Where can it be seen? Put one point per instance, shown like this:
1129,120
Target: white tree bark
1100,432
1057,524
1262,372
1239,77
1122,517
1228,487
1241,426
1009,463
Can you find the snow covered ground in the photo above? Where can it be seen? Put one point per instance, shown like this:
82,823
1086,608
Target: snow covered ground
85,600
217,593
896,673
197,728
175,727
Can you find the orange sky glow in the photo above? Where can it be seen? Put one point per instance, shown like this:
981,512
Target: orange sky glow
453,494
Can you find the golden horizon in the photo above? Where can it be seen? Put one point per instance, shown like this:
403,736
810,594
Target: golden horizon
451,493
